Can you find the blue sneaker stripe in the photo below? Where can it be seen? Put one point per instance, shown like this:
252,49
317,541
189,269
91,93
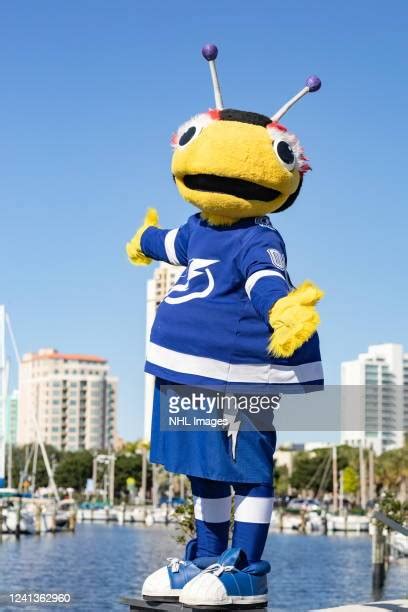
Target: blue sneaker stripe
186,572
231,585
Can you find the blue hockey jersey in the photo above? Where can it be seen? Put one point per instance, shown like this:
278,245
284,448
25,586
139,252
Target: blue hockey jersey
213,327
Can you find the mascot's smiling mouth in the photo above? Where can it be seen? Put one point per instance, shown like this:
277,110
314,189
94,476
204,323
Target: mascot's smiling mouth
231,186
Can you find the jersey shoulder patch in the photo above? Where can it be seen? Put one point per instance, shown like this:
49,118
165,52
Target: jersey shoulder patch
277,258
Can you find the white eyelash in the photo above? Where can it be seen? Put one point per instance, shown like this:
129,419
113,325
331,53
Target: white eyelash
301,162
199,121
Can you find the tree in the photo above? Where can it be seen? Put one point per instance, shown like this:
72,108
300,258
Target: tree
281,477
392,471
127,465
309,471
394,508
73,469
351,481
20,456
312,470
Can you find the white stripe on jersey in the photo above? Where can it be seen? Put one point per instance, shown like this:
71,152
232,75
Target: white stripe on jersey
254,278
253,509
212,510
170,246
233,372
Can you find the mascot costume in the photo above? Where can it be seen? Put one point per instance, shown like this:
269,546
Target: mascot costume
233,317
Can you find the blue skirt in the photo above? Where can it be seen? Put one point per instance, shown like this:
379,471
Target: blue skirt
211,454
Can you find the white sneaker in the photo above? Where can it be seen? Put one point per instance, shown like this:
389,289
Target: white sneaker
224,584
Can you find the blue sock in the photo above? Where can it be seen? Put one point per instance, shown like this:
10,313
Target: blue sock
212,511
252,516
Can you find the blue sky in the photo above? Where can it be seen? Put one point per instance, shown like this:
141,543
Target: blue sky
90,94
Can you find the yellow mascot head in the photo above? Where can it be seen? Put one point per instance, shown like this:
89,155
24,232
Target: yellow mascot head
233,164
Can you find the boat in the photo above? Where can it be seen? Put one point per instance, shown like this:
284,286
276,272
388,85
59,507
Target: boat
285,522
57,518
399,544
27,521
161,515
290,521
346,523
130,514
96,512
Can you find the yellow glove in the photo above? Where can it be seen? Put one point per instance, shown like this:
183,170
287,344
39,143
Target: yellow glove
294,319
133,249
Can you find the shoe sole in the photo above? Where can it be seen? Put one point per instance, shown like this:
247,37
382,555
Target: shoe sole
236,602
164,598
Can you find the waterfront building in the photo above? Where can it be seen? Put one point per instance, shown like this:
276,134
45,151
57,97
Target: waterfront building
12,418
374,400
164,277
73,397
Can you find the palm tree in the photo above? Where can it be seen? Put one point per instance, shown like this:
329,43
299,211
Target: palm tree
392,471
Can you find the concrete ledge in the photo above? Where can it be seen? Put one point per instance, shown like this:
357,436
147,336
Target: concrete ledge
135,604
396,605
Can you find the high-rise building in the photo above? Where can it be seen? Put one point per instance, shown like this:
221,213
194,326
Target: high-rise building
374,400
164,277
73,398
12,418
10,421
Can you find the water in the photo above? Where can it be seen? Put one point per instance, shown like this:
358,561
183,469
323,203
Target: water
99,563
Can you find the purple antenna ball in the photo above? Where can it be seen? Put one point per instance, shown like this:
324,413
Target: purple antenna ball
209,52
313,83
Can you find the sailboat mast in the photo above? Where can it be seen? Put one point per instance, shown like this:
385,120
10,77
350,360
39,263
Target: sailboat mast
7,438
34,469
335,480
3,396
363,478
37,432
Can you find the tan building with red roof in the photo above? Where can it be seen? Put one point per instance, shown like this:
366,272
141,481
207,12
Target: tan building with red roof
73,397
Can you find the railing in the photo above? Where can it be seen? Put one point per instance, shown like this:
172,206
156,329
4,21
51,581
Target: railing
381,546
389,522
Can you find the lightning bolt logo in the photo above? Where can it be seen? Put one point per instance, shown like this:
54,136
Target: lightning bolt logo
230,415
197,267
233,429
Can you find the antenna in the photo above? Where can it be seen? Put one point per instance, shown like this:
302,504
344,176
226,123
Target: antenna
313,83
210,53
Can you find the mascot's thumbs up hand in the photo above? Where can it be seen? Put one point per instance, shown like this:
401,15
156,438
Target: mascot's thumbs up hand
133,248
294,319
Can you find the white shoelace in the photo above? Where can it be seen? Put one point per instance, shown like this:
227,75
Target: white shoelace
217,569
174,564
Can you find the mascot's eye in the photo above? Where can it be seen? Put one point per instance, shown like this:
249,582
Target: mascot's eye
187,136
192,128
285,153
